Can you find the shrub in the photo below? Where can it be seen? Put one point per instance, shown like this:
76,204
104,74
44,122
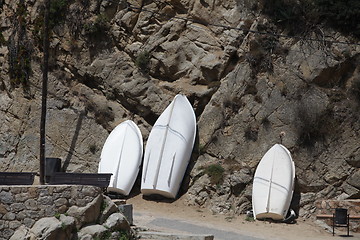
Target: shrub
124,236
57,15
299,16
290,14
2,40
57,12
233,103
259,57
20,50
98,27
266,122
215,172
343,15
355,88
251,133
93,148
142,60
249,219
103,206
315,125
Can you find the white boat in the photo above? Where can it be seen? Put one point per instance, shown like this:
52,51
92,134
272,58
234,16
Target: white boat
121,155
273,184
168,149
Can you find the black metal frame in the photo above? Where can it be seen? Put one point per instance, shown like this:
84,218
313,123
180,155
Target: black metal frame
94,179
17,178
335,224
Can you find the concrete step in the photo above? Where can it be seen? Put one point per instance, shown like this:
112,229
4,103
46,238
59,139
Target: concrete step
173,236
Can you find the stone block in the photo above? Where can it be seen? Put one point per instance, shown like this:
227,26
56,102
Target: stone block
16,207
22,197
127,211
60,201
14,224
31,204
6,197
9,216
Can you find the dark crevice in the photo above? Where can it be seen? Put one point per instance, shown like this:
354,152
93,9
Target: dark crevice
134,106
337,75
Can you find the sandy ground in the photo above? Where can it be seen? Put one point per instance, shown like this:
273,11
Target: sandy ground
146,211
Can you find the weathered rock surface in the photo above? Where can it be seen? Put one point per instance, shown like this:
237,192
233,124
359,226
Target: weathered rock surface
52,228
87,214
112,61
109,208
117,222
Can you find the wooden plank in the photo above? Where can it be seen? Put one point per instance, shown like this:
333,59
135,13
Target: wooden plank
330,216
17,178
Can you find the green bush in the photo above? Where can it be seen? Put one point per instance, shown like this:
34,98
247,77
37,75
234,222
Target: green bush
124,236
97,27
215,172
142,60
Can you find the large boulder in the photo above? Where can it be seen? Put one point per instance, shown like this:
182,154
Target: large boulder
117,222
52,228
92,232
87,214
22,233
108,208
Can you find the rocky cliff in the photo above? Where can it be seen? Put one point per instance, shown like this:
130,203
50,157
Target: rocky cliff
251,86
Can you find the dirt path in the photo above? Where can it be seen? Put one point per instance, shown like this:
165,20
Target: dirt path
165,216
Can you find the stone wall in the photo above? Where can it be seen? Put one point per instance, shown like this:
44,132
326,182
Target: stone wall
24,205
327,207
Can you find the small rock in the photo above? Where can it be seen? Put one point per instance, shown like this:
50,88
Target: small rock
116,222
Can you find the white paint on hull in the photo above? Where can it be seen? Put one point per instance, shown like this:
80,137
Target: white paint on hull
168,149
122,155
273,184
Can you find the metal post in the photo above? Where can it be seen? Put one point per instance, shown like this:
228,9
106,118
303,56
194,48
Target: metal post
44,91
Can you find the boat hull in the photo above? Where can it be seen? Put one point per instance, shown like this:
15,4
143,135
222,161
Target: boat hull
122,155
273,184
168,149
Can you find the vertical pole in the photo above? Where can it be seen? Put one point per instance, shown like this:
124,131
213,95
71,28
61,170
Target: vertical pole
44,91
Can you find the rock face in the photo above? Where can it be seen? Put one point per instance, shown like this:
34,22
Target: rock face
114,61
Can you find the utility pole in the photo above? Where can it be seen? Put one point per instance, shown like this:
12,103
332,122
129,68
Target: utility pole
45,70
